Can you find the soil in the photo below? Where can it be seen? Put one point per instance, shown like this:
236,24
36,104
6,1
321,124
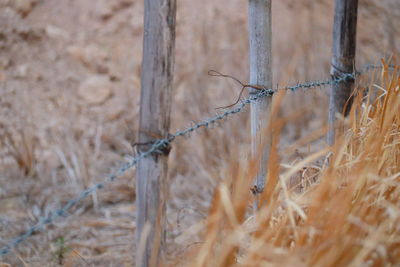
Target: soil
69,103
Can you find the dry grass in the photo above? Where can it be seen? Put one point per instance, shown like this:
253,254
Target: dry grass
346,214
54,144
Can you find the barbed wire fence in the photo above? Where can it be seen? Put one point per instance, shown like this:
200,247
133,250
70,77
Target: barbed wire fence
161,144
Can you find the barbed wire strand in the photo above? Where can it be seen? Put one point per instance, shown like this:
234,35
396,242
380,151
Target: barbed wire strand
157,147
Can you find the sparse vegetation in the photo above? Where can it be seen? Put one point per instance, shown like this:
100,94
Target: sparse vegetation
56,140
348,216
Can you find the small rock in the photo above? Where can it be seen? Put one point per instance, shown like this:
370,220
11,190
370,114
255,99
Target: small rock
111,8
105,12
95,90
38,76
114,108
27,32
55,32
5,63
91,56
24,7
21,72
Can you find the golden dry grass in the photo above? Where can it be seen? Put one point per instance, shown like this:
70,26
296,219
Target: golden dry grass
53,144
346,215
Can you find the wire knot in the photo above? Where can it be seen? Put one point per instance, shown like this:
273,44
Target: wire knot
158,146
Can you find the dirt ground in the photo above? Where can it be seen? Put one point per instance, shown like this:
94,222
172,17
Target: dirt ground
69,102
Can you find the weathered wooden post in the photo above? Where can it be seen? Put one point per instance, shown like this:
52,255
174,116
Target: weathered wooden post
155,106
260,74
343,61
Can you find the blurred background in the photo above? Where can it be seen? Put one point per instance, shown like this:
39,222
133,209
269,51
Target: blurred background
69,103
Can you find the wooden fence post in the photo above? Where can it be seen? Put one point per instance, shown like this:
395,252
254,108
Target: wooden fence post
343,61
260,74
155,106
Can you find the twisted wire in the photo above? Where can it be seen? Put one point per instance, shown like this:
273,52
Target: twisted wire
157,147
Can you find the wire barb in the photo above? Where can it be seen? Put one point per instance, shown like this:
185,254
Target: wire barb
160,144
244,86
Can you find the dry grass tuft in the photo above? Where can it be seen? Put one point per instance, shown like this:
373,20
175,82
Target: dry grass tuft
21,147
346,214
